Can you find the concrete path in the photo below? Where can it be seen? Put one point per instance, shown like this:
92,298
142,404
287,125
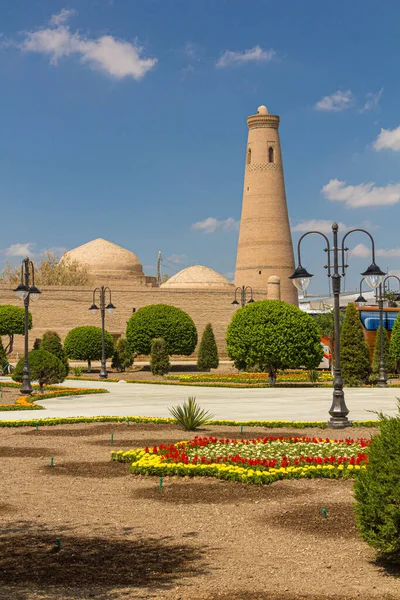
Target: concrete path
136,399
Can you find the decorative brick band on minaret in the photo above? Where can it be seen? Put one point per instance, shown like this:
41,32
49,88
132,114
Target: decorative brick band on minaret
265,244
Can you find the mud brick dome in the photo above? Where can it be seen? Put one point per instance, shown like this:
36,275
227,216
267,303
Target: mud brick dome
197,277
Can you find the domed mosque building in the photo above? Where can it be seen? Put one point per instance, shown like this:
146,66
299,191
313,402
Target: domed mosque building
264,260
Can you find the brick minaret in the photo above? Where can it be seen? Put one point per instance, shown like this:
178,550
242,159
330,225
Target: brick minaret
265,244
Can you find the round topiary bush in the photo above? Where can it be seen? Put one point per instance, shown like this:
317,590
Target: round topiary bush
270,335
377,492
161,321
45,368
84,343
51,342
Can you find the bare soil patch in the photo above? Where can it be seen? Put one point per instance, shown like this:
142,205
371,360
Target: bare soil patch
123,538
9,395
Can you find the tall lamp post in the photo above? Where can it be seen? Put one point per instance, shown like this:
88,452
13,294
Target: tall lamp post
381,291
102,292
301,279
243,294
26,291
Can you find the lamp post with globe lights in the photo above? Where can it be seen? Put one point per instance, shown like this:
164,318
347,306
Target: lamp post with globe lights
27,291
243,294
102,292
380,296
301,279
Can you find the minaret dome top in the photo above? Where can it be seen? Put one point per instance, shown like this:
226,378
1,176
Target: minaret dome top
262,110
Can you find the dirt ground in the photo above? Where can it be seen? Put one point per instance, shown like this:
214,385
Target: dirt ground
9,395
123,538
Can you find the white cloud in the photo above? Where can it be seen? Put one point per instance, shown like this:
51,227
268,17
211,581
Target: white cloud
372,100
363,251
323,225
192,51
388,139
20,250
336,102
176,259
211,225
256,54
364,194
118,58
62,17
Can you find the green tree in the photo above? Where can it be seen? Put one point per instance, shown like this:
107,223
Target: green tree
159,363
123,357
51,342
354,349
84,343
3,356
271,335
161,321
45,368
395,344
386,351
208,352
377,492
12,322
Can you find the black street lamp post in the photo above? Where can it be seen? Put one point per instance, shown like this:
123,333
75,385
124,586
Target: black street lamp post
382,376
301,279
103,308
243,294
25,291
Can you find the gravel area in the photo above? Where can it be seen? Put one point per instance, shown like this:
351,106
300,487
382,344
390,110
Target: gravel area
121,537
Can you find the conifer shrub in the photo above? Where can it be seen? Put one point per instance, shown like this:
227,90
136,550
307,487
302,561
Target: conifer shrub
51,342
172,324
354,349
123,357
395,345
84,343
45,368
208,352
377,492
386,351
159,363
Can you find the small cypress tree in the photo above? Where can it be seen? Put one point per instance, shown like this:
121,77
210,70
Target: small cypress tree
45,368
51,342
386,351
377,492
123,357
395,344
208,351
159,363
354,349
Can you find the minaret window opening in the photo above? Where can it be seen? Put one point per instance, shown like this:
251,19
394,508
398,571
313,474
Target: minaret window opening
271,153
249,156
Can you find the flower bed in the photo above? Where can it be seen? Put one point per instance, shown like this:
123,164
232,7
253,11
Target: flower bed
261,460
289,376
27,402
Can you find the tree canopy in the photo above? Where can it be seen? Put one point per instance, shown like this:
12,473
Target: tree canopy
45,368
50,271
12,322
271,335
84,343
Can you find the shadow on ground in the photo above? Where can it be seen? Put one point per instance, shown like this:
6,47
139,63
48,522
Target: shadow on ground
20,452
90,567
97,470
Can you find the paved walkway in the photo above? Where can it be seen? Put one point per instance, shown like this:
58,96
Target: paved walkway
135,399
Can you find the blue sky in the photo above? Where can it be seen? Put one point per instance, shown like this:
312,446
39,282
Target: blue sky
126,119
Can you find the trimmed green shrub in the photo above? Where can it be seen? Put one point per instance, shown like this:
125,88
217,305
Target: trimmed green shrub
354,349
51,342
161,321
208,351
36,344
123,357
159,363
45,368
84,343
12,322
3,356
270,335
190,415
377,492
395,344
389,363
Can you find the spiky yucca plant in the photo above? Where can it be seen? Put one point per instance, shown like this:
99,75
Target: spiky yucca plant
190,415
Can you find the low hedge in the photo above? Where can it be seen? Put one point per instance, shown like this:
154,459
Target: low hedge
169,421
